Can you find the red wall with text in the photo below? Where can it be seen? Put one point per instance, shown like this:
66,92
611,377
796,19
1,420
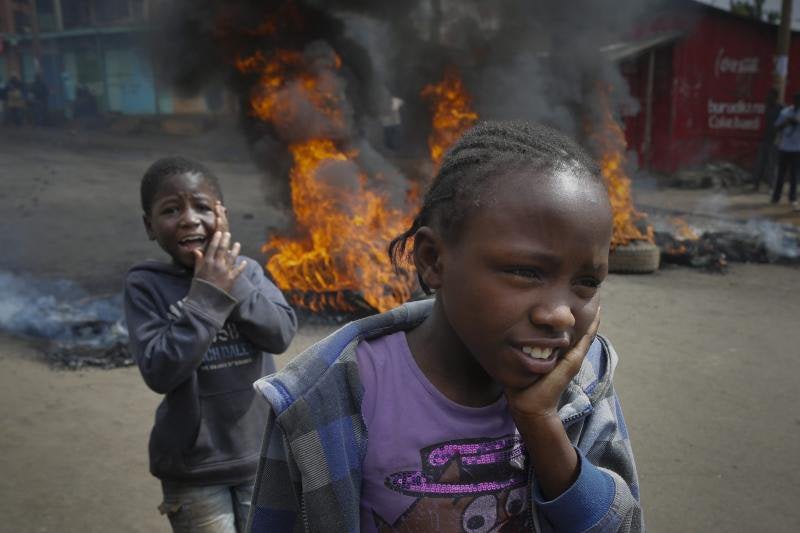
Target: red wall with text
708,92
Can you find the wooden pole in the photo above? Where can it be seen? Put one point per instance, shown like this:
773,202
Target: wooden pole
36,43
782,53
648,109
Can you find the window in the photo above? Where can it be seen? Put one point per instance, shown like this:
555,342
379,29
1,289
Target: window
111,11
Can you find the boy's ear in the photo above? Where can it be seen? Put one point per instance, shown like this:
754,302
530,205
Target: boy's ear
148,227
428,248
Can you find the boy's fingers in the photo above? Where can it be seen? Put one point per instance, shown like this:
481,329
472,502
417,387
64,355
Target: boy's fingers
235,249
224,245
198,260
222,217
239,269
213,246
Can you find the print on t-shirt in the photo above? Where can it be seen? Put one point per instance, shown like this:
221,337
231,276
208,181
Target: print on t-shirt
473,486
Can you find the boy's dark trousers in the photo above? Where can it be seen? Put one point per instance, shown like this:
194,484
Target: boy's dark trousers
786,161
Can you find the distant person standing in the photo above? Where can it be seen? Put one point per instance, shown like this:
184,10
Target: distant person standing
2,97
68,84
85,106
15,102
392,123
767,153
39,92
788,151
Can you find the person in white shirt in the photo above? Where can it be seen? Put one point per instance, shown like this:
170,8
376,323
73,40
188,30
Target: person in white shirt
788,124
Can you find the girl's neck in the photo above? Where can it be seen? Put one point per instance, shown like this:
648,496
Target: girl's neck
448,365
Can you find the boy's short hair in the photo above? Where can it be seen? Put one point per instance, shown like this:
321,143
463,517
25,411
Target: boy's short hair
166,167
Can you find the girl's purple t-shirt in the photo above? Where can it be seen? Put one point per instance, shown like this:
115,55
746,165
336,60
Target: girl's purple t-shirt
432,464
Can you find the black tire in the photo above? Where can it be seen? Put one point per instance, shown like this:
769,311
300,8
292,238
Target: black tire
637,257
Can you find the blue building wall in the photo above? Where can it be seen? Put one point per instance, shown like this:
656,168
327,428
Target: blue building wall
130,83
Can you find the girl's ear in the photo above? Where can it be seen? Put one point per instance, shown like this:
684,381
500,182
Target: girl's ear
428,247
148,227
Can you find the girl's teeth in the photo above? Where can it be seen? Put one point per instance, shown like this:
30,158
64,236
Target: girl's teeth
537,353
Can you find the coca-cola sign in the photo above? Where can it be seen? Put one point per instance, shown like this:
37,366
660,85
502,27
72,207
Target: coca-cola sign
733,65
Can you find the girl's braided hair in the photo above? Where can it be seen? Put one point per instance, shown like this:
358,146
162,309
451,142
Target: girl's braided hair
485,153
167,167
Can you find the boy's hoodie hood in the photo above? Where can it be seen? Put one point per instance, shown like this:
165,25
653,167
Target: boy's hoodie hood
301,376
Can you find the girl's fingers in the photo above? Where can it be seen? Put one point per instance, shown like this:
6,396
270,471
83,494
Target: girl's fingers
568,367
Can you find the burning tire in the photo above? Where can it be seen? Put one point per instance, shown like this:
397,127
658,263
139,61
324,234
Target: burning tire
637,257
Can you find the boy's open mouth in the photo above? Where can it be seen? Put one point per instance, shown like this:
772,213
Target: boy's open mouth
192,242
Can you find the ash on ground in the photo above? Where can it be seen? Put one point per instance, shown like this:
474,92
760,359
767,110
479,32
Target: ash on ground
711,243
77,330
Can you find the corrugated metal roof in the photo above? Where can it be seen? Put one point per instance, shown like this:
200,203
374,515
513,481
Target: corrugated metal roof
631,49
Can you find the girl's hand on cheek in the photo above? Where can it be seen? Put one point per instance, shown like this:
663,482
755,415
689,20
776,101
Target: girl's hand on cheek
538,403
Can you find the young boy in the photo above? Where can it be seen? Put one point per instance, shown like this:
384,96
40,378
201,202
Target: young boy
202,328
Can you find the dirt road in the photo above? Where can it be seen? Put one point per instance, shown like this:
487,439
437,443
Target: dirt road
707,373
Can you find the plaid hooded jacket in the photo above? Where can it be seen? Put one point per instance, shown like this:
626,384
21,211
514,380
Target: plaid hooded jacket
309,473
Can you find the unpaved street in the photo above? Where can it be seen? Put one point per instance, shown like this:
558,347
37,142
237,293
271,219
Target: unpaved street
707,377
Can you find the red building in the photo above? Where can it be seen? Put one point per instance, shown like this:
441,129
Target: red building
702,75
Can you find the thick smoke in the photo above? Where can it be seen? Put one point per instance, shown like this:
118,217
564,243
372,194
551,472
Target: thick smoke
522,59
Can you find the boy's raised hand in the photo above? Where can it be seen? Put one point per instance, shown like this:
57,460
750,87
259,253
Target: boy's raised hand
221,216
217,265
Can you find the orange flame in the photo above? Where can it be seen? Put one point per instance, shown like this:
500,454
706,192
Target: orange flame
609,139
343,226
282,77
685,231
452,114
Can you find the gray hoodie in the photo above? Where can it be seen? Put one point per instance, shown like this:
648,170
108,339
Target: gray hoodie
203,348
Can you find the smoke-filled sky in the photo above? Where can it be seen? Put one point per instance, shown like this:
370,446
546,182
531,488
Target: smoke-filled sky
519,58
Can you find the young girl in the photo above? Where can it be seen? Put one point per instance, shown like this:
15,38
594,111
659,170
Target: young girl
488,407
202,327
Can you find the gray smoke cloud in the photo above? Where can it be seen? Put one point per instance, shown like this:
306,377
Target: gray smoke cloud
519,59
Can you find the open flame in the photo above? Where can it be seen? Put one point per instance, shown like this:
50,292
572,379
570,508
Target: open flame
345,229
343,225
335,259
452,112
609,140
298,92
683,230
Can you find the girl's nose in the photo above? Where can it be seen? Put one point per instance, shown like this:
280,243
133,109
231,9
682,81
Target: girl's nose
556,316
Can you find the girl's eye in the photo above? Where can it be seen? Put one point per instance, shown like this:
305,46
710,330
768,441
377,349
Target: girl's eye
593,283
529,273
169,210
587,287
204,207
